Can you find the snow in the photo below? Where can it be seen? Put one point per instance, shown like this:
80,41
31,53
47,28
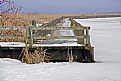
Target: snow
105,37
54,43
63,32
67,23
66,33
12,44
58,45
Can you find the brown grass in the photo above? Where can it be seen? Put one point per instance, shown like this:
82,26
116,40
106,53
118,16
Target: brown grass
24,19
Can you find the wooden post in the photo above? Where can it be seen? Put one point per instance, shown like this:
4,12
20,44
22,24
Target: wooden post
30,37
85,36
92,54
87,43
69,55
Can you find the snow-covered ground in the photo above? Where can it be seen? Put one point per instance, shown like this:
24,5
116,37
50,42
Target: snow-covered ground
105,37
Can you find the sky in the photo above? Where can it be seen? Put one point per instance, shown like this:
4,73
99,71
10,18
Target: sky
70,6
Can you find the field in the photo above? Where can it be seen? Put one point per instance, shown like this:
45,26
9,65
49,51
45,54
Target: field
25,19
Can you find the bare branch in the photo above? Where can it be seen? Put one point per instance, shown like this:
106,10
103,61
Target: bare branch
8,11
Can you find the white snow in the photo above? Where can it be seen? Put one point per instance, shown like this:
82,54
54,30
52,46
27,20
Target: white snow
67,23
66,33
105,37
58,45
63,32
12,44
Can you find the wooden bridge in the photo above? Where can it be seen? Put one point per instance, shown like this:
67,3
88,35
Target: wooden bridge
58,39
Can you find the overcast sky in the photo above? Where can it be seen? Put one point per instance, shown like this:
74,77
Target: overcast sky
70,6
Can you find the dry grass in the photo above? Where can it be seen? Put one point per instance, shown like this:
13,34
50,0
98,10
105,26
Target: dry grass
24,19
38,56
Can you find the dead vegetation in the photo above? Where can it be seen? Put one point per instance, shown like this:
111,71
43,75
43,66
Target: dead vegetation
12,32
38,56
25,19
8,11
33,57
12,40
